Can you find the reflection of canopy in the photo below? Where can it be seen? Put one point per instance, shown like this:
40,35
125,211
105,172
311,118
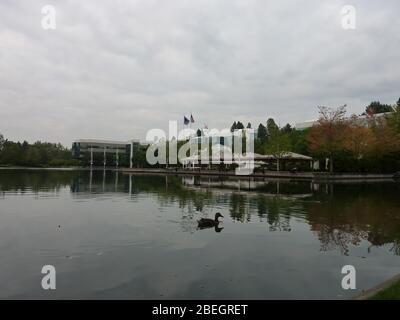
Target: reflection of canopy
218,155
219,151
286,155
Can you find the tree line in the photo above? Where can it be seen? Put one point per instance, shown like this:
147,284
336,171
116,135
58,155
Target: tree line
370,143
38,154
352,144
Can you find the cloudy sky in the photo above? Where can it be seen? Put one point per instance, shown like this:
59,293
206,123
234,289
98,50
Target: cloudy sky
115,69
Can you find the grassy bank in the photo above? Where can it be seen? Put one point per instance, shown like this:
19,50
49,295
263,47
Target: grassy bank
390,293
388,290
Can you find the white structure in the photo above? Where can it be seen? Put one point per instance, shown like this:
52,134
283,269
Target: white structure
362,120
104,146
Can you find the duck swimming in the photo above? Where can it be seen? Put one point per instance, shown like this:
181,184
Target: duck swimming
204,223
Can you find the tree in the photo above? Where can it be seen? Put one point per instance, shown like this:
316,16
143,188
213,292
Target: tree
248,125
278,145
287,129
239,125
298,141
272,127
262,133
233,127
376,107
199,133
393,119
2,141
359,139
327,136
387,140
38,154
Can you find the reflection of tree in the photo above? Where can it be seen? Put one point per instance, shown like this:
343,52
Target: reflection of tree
395,248
352,214
339,238
238,206
275,209
357,213
34,180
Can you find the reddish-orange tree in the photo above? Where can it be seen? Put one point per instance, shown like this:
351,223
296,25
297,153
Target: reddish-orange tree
327,136
359,140
386,139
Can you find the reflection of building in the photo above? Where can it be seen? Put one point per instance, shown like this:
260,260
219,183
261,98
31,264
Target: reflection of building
117,148
268,187
223,155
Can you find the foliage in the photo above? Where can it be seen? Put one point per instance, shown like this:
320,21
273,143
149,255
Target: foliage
376,107
278,144
38,154
359,140
2,141
272,127
239,125
353,146
262,133
387,140
326,138
393,119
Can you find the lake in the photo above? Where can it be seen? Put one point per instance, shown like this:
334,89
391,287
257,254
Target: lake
111,235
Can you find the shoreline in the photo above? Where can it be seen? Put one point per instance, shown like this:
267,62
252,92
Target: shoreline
46,168
308,176
305,176
372,292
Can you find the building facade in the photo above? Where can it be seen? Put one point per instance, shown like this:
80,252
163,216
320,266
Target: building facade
92,147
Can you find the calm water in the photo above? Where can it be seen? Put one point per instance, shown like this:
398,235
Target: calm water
136,237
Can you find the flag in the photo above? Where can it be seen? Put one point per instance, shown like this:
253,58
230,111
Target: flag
191,118
185,120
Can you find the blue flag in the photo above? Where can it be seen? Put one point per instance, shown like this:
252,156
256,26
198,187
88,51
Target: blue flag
185,120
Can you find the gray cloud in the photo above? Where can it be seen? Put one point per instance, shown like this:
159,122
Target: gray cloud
114,69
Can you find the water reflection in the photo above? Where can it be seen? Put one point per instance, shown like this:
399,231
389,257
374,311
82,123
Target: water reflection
340,215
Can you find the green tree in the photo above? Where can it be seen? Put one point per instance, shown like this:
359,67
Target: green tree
298,141
239,125
233,127
2,141
248,125
287,129
393,119
376,107
38,154
278,145
262,133
272,127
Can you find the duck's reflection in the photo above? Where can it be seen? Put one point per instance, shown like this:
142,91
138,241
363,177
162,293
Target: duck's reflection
216,228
